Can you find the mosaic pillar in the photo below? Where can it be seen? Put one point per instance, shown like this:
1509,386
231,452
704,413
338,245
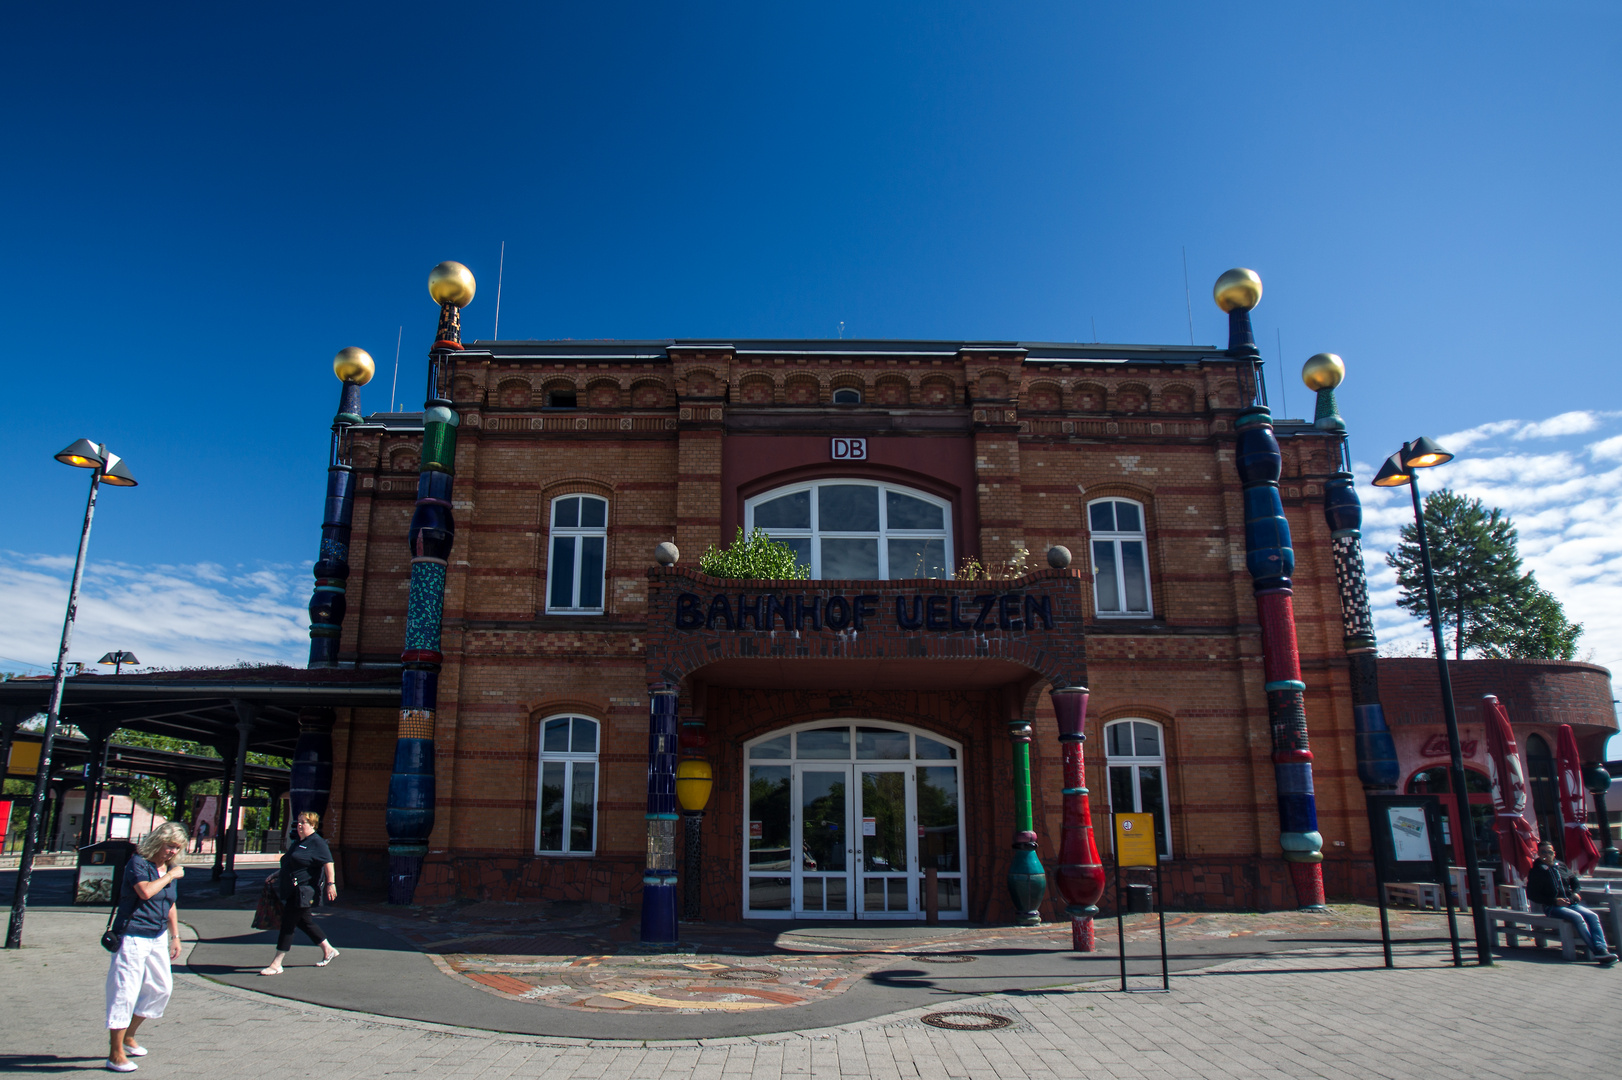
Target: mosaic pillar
1027,882
1377,767
659,879
354,367
1270,559
1081,873
410,815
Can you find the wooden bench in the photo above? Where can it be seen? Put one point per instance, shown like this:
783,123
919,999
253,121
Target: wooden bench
1514,924
1420,894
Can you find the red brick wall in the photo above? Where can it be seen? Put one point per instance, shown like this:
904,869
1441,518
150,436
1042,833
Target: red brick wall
676,441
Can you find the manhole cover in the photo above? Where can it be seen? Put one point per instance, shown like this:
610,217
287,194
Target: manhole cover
749,973
966,1021
940,958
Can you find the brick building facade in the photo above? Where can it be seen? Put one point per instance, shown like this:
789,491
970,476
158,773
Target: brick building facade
575,459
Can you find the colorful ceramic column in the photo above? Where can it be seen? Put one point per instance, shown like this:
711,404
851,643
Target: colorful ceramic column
1027,882
1271,560
354,369
1081,872
659,879
1343,511
410,816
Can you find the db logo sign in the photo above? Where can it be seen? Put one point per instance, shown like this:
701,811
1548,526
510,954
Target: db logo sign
850,449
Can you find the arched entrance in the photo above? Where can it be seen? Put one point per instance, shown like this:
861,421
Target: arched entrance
843,818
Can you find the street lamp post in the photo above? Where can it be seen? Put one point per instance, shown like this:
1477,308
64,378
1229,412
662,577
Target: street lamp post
118,660
109,468
1400,469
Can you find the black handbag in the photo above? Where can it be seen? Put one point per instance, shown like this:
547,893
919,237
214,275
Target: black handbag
112,939
306,896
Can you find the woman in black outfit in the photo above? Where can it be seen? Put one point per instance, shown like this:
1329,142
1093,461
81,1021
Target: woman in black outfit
306,866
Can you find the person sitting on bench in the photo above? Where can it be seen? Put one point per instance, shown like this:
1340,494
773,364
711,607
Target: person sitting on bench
1553,886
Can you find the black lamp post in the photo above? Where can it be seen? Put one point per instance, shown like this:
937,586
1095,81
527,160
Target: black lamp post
1398,470
106,468
1598,782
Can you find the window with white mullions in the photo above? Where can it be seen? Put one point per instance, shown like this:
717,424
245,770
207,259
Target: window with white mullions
1135,763
858,529
566,811
1120,558
579,546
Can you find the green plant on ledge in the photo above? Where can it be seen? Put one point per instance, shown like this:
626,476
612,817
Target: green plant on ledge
755,556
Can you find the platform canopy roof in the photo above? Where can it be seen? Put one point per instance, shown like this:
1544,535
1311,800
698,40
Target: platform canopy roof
202,705
69,757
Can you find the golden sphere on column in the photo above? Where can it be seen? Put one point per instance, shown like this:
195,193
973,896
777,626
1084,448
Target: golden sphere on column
451,283
1323,372
1238,288
354,365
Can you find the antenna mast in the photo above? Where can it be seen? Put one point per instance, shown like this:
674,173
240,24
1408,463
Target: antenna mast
394,405
500,269
1187,300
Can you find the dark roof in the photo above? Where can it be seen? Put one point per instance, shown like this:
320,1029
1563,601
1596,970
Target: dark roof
199,705
69,755
659,349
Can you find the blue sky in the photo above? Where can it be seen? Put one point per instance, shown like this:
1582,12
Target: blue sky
205,204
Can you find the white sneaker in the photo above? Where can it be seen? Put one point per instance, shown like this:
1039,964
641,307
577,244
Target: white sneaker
128,1066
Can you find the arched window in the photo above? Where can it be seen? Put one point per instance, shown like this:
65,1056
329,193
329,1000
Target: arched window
1120,558
566,810
847,395
858,529
579,542
1545,791
1135,763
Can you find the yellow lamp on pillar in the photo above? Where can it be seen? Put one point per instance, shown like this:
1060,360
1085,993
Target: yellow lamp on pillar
693,783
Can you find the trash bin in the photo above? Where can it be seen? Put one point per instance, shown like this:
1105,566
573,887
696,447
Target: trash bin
1140,899
101,872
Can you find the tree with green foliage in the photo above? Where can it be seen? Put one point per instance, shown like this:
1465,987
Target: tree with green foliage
1484,600
755,556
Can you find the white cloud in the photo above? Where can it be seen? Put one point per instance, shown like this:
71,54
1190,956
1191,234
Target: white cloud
1578,422
169,616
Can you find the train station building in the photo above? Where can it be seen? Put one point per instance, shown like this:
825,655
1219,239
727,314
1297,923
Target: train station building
862,727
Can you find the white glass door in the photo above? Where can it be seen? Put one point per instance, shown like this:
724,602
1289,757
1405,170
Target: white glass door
824,849
842,819
886,842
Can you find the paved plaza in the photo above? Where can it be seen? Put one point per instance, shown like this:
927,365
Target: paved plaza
1311,1008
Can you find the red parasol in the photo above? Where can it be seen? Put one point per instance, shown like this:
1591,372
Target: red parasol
1581,854
1516,840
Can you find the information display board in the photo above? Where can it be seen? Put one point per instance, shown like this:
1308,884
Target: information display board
1135,840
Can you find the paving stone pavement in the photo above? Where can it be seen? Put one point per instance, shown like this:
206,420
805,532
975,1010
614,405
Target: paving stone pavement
1327,1011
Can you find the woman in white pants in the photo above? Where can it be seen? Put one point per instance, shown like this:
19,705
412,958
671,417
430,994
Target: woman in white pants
138,982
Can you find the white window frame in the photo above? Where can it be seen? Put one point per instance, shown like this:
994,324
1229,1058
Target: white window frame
1116,538
794,762
883,535
578,532
834,398
568,757
1135,762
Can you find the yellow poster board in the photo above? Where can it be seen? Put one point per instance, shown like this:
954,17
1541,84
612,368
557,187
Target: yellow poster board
1135,840
24,759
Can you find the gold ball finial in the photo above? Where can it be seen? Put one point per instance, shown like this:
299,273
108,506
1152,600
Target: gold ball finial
1323,372
1238,288
354,365
451,283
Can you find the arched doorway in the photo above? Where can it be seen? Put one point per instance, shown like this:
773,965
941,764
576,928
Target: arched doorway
1540,778
842,819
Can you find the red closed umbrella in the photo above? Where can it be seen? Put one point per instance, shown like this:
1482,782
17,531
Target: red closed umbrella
1581,854
1516,841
